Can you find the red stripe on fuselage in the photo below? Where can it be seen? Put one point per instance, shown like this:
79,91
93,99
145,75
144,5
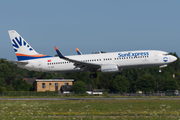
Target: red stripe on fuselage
37,55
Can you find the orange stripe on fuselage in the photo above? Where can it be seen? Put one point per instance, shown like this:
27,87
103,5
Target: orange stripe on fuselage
37,55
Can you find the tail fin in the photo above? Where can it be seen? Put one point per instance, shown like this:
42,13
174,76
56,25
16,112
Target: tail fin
22,49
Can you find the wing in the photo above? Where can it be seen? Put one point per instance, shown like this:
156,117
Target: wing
85,66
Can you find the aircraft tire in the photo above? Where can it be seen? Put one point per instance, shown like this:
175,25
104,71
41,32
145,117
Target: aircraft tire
93,76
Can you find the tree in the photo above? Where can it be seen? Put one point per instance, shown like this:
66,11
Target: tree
5,71
2,89
169,84
9,87
2,82
119,84
21,85
146,82
79,87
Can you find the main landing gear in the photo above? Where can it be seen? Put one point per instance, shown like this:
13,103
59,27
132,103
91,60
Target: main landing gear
93,75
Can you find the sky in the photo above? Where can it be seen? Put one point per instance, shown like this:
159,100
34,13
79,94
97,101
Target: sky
91,25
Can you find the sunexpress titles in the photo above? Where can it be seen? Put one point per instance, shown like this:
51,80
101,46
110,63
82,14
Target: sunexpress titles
133,54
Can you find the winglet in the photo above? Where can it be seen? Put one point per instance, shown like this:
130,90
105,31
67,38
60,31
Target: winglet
78,51
59,53
55,48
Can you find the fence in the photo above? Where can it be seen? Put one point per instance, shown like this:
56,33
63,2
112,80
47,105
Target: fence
57,93
152,93
29,93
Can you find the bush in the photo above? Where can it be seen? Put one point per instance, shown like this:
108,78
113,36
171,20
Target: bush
79,87
2,89
105,94
67,94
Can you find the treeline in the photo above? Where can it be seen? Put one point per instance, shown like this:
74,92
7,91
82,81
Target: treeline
129,80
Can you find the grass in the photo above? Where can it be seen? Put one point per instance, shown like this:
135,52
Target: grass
90,109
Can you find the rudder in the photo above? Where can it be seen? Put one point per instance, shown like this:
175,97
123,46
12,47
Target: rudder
22,49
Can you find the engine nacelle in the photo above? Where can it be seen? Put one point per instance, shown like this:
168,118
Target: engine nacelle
109,68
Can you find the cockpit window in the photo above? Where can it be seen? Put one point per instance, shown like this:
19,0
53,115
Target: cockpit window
165,54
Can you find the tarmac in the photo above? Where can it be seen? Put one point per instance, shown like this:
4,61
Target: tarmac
89,98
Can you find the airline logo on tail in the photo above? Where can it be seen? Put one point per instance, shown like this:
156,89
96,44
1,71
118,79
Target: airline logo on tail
22,49
20,42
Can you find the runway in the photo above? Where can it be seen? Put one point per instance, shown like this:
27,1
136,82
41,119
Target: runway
89,98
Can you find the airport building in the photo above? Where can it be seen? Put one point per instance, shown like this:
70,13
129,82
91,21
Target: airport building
51,84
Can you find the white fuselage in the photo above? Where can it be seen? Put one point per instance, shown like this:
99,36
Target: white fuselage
124,60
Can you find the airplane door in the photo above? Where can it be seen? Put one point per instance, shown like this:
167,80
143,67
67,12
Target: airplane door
156,56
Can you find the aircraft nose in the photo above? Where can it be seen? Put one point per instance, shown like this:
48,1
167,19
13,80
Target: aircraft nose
173,58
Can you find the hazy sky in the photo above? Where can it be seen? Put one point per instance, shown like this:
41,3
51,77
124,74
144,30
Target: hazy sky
91,25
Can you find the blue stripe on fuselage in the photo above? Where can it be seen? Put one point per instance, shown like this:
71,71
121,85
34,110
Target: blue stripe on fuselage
29,58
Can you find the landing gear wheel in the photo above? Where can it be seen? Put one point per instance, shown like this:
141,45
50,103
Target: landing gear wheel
93,76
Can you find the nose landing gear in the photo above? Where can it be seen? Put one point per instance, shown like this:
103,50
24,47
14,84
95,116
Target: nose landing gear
93,75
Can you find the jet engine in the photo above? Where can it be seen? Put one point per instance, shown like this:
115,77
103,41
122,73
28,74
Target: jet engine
109,68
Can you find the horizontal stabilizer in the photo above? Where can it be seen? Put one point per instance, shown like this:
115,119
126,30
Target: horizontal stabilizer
18,62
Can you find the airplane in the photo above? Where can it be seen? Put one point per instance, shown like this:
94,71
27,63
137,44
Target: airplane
112,62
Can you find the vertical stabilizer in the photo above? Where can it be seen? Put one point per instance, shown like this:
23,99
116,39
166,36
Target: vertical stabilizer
22,49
